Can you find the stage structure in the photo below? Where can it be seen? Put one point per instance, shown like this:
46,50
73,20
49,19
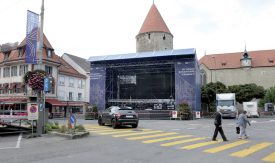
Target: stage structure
158,80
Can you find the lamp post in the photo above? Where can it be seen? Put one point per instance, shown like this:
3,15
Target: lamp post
214,68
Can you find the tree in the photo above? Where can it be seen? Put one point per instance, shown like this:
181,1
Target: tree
208,94
247,92
270,96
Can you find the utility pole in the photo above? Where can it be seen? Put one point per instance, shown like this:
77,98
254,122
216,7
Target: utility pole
40,94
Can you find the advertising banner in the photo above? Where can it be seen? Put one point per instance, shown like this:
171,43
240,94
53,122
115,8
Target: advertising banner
185,82
97,84
32,37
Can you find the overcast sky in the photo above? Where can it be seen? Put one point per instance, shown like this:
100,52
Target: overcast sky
101,27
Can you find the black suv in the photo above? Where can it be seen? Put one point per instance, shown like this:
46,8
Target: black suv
118,116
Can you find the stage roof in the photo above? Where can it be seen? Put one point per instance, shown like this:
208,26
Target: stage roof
178,52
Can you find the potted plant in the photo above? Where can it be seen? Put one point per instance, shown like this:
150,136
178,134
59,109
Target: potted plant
185,111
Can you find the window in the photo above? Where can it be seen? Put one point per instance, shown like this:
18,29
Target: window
61,95
71,96
49,70
6,72
61,80
14,71
80,83
20,52
79,96
71,82
49,53
23,69
6,56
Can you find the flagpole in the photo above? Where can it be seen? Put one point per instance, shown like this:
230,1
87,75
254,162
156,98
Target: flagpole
40,121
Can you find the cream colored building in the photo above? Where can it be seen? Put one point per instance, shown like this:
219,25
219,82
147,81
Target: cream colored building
239,68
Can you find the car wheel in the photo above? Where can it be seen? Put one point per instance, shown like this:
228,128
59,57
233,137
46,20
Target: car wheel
100,123
134,125
114,123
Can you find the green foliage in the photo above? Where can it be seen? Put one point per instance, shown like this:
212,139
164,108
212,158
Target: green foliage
79,128
63,129
51,126
208,93
247,92
269,96
185,111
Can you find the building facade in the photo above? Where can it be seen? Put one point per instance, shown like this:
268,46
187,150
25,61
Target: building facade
239,68
68,88
154,80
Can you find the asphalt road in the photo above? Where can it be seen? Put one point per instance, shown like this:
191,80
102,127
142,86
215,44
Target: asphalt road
148,144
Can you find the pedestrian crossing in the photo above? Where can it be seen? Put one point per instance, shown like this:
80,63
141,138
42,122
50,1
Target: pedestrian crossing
240,148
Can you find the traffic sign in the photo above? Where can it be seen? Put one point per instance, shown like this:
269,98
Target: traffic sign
72,119
32,111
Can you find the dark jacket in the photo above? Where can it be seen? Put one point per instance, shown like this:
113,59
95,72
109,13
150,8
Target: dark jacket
218,119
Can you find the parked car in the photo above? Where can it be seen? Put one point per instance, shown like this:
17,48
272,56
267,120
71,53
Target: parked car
118,116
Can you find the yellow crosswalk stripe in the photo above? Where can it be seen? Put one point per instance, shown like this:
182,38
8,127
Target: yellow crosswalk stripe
123,131
139,133
226,146
181,142
164,139
198,145
152,136
251,150
270,158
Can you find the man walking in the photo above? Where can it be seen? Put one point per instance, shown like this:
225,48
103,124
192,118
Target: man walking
242,123
218,125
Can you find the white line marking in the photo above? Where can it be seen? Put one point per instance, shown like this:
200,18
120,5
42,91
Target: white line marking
18,141
8,148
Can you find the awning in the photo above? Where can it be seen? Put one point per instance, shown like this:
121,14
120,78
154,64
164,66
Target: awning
19,85
5,85
74,103
55,102
12,85
13,100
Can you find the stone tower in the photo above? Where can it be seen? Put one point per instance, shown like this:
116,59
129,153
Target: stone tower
154,34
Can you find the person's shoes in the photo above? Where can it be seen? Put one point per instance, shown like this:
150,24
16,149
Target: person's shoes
214,140
239,137
225,140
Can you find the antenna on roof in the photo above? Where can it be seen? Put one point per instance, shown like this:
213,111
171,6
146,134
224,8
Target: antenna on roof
153,1
204,52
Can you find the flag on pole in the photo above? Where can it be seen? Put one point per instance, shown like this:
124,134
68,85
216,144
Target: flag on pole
32,37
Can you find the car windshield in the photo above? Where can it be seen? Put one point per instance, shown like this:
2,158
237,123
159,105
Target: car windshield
226,103
125,108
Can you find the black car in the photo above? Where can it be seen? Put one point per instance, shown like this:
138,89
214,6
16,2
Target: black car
118,116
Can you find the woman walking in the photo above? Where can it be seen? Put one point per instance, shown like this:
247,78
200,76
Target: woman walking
242,124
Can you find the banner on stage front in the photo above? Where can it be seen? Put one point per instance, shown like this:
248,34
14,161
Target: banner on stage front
32,37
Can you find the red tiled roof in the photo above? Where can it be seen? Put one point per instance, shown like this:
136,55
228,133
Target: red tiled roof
67,69
260,58
14,53
154,22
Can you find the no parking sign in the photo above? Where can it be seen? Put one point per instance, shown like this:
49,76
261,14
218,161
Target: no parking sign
174,114
32,111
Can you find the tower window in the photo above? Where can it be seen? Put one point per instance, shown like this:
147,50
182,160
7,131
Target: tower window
149,36
164,37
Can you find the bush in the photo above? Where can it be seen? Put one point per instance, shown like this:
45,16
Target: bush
79,128
51,126
63,129
185,111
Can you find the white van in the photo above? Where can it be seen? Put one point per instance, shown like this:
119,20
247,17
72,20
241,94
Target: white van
251,108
